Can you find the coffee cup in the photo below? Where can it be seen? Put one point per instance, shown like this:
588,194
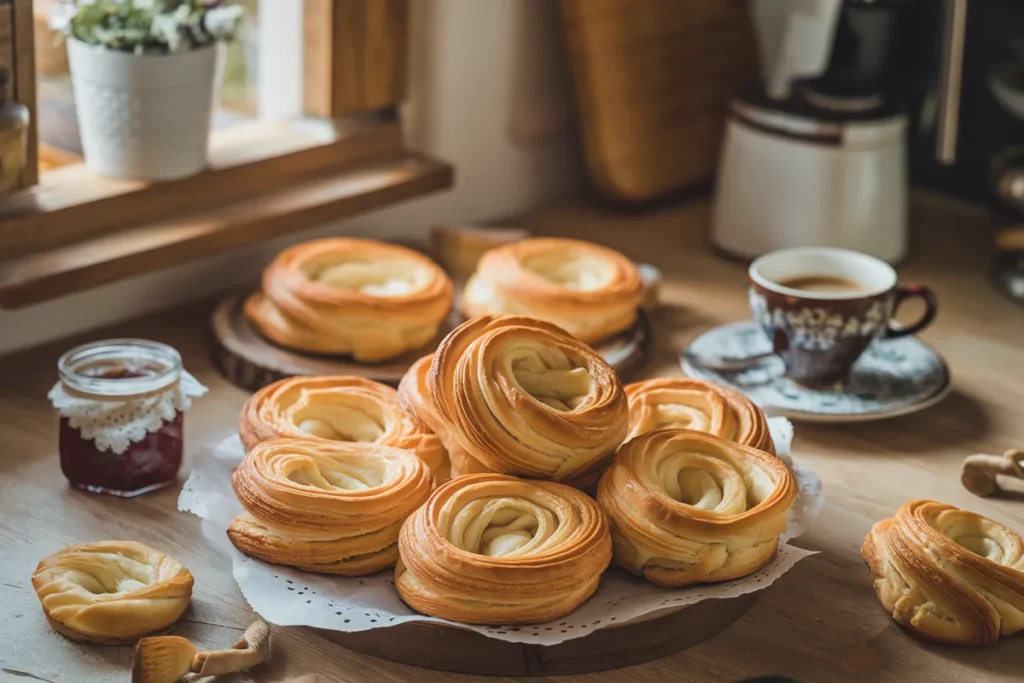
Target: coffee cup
822,307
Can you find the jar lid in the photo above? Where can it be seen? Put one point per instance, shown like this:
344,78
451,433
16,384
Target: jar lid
119,369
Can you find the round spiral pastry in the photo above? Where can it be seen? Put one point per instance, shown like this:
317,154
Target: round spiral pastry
328,507
589,290
947,574
351,296
494,549
522,397
688,507
684,403
338,409
111,592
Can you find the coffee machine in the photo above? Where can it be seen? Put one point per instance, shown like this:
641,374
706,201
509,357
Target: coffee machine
816,156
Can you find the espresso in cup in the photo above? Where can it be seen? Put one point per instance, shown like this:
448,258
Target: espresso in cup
823,307
823,283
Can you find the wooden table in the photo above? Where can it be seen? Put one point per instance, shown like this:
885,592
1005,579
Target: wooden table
820,622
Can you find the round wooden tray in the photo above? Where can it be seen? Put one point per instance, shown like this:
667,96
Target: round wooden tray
461,651
251,361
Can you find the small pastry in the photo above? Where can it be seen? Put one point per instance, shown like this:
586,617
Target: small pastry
683,403
111,592
688,507
947,574
523,397
494,549
340,295
338,409
333,507
460,248
588,290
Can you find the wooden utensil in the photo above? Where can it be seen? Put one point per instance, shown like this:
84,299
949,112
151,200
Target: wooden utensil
166,659
987,475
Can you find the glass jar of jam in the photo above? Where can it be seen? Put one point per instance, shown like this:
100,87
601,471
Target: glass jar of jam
121,416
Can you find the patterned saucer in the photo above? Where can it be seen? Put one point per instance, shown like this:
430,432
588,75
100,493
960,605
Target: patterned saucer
893,377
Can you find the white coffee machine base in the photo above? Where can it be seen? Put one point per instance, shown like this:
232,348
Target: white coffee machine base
792,182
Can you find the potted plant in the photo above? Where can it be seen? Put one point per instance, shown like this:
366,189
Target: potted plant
144,76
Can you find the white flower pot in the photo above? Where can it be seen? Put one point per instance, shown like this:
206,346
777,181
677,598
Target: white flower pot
143,116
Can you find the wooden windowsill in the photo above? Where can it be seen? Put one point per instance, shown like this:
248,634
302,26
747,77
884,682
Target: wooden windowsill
72,203
102,259
77,230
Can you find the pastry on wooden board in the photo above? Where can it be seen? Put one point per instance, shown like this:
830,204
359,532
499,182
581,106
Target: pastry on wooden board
332,507
687,507
685,403
369,299
949,575
523,397
338,409
495,549
587,289
111,592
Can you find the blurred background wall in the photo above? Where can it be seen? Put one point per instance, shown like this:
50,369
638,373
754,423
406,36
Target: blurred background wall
489,92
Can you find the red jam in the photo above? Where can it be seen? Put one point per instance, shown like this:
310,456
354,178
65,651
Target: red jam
146,465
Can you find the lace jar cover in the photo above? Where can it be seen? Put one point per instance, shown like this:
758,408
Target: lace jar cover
115,425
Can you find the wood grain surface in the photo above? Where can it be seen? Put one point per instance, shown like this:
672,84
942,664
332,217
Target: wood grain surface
819,623
653,80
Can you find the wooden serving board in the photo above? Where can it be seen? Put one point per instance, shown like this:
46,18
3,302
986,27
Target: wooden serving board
251,361
653,80
458,650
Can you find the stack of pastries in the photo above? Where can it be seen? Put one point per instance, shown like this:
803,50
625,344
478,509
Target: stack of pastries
556,470
368,299
532,421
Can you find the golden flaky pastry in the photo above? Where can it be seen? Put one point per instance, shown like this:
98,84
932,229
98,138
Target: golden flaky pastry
494,549
523,397
685,403
687,507
947,574
351,296
323,506
111,592
339,409
589,290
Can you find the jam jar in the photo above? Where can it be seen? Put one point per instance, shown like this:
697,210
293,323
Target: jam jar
121,404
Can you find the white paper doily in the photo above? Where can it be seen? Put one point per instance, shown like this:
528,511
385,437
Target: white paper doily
115,425
289,597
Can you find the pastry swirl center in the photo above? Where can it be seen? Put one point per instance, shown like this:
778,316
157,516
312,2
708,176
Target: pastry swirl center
502,527
337,475
704,482
571,271
116,573
377,278
551,377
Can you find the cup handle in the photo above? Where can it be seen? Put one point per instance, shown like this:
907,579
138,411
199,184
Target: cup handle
931,307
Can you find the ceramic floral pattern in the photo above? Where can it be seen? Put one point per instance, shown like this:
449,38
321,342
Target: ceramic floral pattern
815,328
892,376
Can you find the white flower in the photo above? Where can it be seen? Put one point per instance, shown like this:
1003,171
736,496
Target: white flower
167,28
145,5
222,22
61,16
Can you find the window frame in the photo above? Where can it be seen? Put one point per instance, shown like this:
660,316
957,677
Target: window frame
76,230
